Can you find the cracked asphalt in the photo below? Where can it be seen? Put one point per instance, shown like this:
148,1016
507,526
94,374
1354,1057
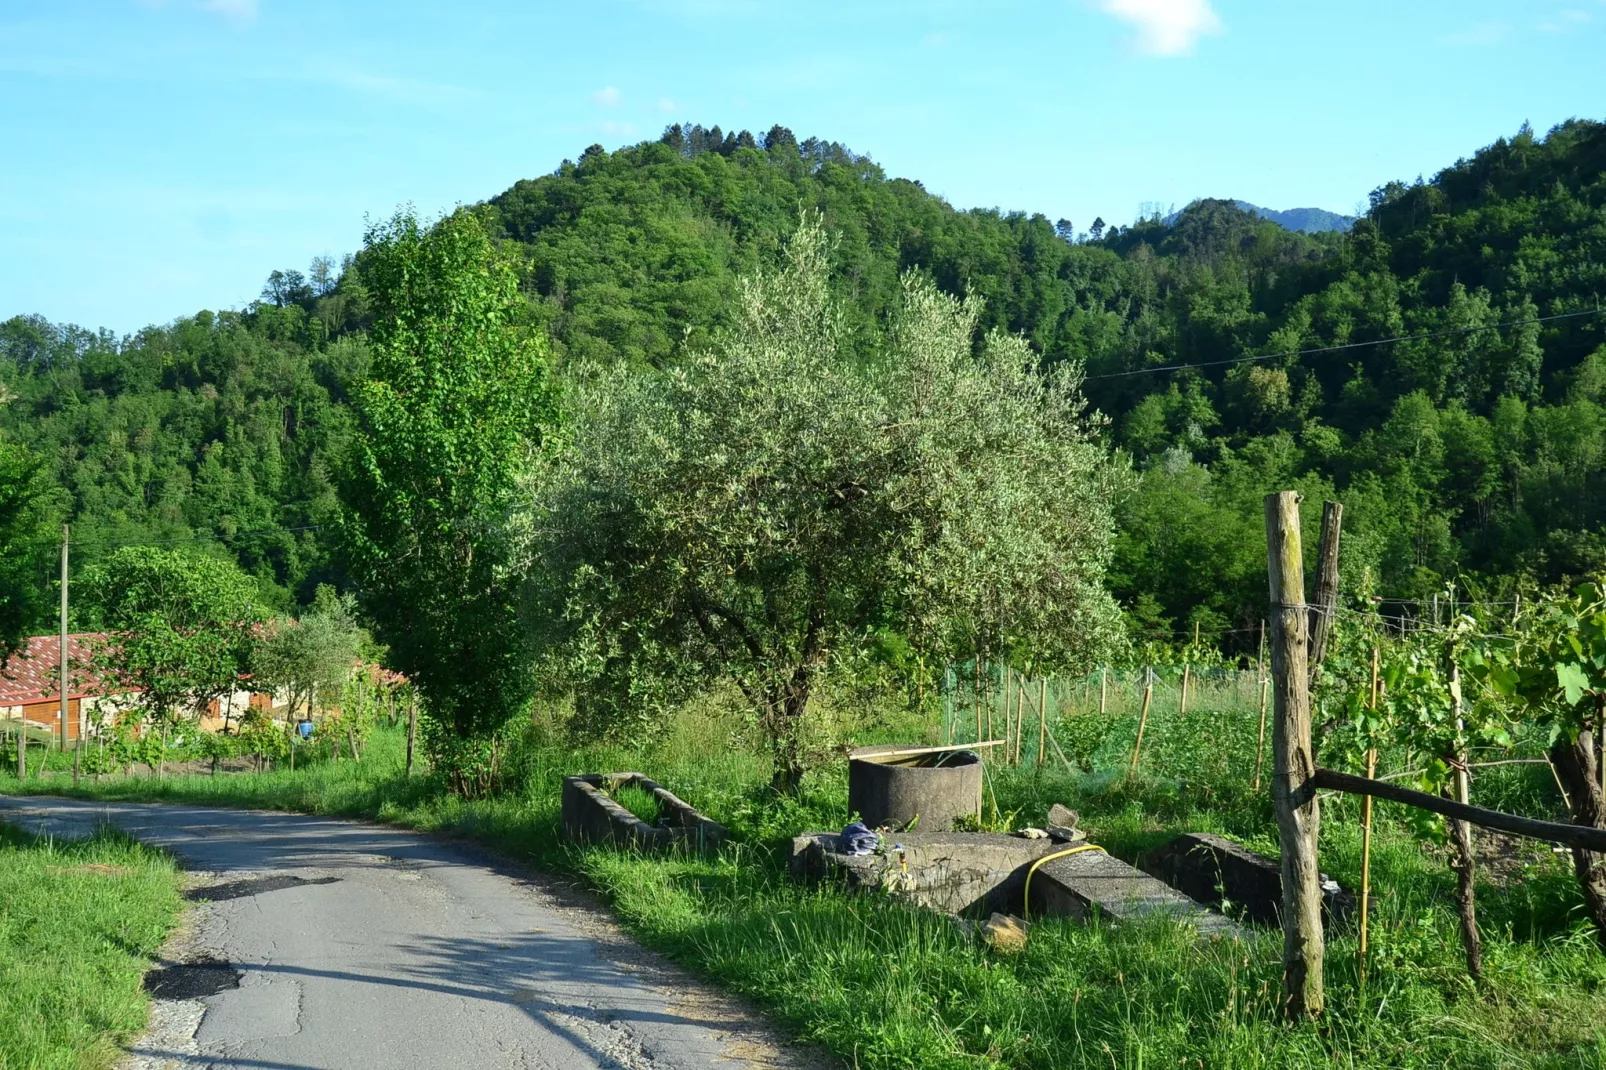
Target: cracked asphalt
358,945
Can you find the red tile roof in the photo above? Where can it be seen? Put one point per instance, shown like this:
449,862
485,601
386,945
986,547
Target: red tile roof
34,675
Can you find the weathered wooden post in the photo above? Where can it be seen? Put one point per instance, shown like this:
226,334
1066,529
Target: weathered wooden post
1326,603
1143,718
412,729
1293,764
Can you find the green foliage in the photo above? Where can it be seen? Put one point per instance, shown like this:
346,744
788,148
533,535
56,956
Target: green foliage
768,508
80,923
221,426
313,657
455,400
25,543
179,623
1476,451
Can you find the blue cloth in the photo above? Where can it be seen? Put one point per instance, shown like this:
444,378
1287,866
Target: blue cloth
857,839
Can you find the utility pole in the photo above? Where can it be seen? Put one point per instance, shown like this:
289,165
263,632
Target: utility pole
65,533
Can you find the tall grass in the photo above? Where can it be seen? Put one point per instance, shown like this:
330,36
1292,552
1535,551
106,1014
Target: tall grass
79,924
885,985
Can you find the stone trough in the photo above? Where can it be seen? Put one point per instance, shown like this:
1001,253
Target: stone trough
590,815
974,874
1212,868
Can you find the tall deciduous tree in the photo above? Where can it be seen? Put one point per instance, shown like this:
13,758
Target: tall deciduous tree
25,543
455,400
773,505
180,626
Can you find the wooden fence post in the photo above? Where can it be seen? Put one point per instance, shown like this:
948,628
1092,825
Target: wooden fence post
1143,718
412,731
1293,764
1042,719
1326,603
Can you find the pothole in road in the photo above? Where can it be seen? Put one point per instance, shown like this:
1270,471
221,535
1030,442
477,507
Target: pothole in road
255,886
192,980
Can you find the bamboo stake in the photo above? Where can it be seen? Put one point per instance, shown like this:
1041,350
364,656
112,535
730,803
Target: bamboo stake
1009,736
975,696
1143,718
1366,855
1182,703
1366,825
1019,691
1104,689
1260,747
1465,871
1042,719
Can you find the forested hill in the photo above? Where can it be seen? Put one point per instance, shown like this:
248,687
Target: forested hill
1477,448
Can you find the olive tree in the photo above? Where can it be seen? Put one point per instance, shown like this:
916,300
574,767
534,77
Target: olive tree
768,508
311,658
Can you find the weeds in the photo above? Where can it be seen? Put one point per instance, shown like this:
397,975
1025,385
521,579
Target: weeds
884,985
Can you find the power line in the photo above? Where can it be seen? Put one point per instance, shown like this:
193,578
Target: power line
1346,346
194,538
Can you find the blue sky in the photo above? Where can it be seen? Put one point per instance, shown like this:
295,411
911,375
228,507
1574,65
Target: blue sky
163,155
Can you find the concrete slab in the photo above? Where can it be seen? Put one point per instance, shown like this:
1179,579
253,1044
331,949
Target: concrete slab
973,873
1091,883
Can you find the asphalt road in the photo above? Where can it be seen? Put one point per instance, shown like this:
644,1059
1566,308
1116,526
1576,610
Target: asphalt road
356,945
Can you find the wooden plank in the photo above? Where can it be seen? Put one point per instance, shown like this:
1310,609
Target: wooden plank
1591,839
870,754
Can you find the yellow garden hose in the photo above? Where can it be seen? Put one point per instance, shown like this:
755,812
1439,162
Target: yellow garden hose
1026,905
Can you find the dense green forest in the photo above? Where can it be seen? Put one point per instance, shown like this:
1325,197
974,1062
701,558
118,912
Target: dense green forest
1471,447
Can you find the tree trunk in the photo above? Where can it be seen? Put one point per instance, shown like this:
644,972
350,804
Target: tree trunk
1466,902
1577,763
786,744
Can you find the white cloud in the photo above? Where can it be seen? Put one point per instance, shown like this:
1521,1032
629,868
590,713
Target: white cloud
1565,21
607,97
1484,33
667,106
1165,27
238,10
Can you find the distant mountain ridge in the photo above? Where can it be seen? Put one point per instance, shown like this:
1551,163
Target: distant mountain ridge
1305,220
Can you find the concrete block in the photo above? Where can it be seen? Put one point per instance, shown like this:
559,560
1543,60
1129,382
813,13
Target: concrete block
1211,868
1091,883
974,873
590,815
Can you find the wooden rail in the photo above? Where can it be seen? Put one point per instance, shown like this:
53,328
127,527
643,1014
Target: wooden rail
1591,839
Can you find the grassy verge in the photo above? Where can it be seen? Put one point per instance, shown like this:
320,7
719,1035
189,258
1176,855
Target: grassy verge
79,924
887,986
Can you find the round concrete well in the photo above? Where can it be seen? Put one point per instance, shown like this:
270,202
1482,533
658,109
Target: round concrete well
889,786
